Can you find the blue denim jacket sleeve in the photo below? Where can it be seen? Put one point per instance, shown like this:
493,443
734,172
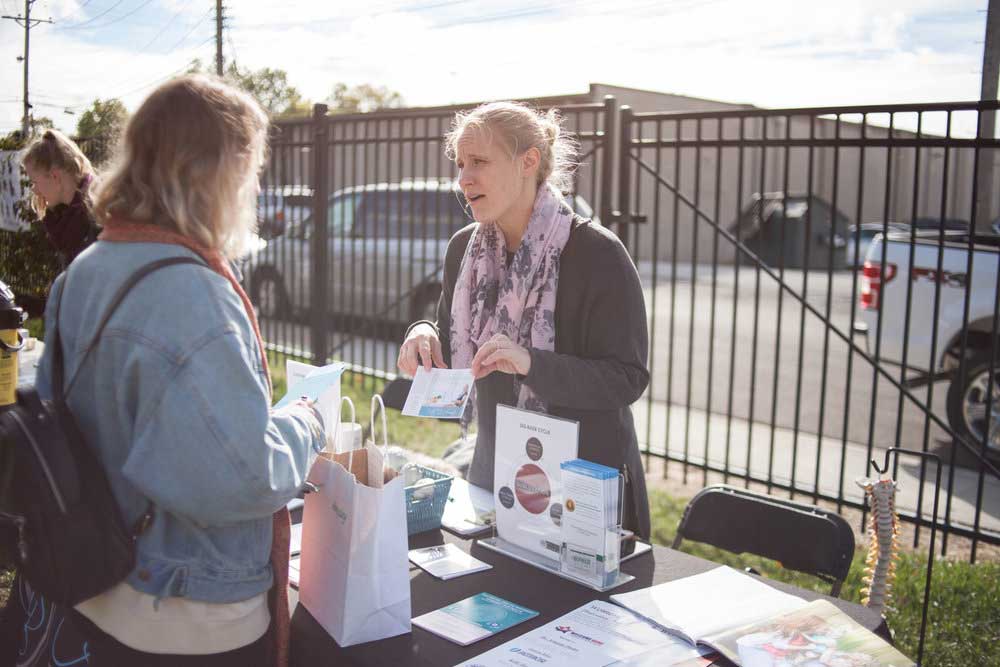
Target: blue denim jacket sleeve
212,449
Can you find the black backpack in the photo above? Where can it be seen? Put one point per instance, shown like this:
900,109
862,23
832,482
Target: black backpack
63,525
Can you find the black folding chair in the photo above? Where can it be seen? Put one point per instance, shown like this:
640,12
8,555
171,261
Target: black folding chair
801,537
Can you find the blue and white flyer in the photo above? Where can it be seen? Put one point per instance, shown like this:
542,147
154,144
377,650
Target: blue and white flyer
474,618
316,383
440,393
594,635
527,479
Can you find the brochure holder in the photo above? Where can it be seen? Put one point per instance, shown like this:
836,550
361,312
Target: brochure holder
553,565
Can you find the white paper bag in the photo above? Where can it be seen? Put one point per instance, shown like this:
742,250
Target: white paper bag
354,570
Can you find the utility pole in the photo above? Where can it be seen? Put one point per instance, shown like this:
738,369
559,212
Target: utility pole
987,119
28,23
218,37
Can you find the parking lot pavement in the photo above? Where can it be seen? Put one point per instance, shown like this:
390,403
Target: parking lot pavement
838,464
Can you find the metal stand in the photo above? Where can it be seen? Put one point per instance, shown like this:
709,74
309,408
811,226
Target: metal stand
502,546
884,469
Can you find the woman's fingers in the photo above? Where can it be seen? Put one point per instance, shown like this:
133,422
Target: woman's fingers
408,360
488,348
420,350
438,355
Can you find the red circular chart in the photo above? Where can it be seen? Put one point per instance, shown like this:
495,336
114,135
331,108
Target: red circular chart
532,488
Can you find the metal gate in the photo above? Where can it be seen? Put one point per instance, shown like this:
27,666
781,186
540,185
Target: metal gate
746,226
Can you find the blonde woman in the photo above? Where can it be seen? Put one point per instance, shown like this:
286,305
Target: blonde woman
61,182
545,307
175,398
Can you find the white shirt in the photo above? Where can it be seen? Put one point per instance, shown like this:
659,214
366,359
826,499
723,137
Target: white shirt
177,625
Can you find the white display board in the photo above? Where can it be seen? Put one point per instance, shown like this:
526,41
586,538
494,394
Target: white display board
527,486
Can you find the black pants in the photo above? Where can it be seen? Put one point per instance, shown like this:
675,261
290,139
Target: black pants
36,633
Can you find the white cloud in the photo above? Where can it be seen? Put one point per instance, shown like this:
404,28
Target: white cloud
776,53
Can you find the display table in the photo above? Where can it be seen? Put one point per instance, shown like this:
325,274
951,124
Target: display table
523,584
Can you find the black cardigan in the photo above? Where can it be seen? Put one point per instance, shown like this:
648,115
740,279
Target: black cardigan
598,367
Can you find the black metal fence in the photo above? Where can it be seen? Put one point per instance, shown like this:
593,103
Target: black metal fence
776,357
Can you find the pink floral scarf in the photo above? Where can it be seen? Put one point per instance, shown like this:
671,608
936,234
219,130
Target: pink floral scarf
518,301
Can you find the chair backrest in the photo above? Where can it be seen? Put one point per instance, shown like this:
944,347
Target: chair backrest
801,537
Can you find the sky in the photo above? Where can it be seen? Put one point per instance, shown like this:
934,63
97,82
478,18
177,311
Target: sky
770,53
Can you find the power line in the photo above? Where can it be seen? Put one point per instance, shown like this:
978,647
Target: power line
116,19
74,26
194,25
166,25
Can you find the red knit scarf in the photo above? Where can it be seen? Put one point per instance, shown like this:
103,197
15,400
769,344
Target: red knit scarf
118,230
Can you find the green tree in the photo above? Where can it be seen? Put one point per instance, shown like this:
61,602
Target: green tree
270,87
363,98
104,118
99,127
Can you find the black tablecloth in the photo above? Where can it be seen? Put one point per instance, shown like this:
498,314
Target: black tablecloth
523,584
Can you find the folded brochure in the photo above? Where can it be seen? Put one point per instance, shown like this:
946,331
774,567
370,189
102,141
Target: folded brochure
754,624
446,561
474,618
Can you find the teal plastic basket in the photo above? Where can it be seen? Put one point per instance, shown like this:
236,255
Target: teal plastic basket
425,503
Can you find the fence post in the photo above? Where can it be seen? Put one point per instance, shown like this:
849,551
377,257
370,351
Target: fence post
319,278
608,159
624,217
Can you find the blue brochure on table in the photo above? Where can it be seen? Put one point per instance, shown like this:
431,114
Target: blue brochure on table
474,618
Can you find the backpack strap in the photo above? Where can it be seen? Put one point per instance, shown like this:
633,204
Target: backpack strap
58,360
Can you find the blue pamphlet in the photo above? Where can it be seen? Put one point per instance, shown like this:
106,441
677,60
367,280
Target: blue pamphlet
314,385
474,618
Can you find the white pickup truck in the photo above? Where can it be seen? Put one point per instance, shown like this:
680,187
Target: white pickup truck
885,286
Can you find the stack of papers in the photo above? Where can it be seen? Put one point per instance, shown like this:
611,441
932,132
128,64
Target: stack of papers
690,606
590,540
446,561
474,618
753,624
594,635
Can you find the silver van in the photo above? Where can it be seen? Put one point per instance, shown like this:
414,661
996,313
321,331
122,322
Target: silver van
385,246
385,253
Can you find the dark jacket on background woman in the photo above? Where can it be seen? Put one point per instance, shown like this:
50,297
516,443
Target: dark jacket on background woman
70,228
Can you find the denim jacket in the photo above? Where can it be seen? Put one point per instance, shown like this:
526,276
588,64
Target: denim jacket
175,400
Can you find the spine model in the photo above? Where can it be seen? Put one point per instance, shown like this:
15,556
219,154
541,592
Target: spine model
883,531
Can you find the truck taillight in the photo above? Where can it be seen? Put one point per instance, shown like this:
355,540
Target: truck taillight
873,277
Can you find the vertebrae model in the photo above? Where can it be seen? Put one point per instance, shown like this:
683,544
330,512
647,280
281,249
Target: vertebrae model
883,530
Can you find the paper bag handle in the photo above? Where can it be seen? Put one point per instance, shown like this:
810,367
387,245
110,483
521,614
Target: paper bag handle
377,402
337,433
347,399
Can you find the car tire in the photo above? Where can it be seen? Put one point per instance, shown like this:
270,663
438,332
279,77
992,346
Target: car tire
269,295
968,411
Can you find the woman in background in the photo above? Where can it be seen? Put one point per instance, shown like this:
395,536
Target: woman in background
62,181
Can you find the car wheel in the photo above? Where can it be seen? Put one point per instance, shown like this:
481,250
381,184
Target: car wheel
269,295
970,414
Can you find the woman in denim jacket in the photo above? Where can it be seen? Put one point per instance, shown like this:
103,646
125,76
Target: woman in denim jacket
176,398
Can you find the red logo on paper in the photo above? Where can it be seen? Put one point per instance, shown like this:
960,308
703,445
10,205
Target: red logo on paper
531,485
